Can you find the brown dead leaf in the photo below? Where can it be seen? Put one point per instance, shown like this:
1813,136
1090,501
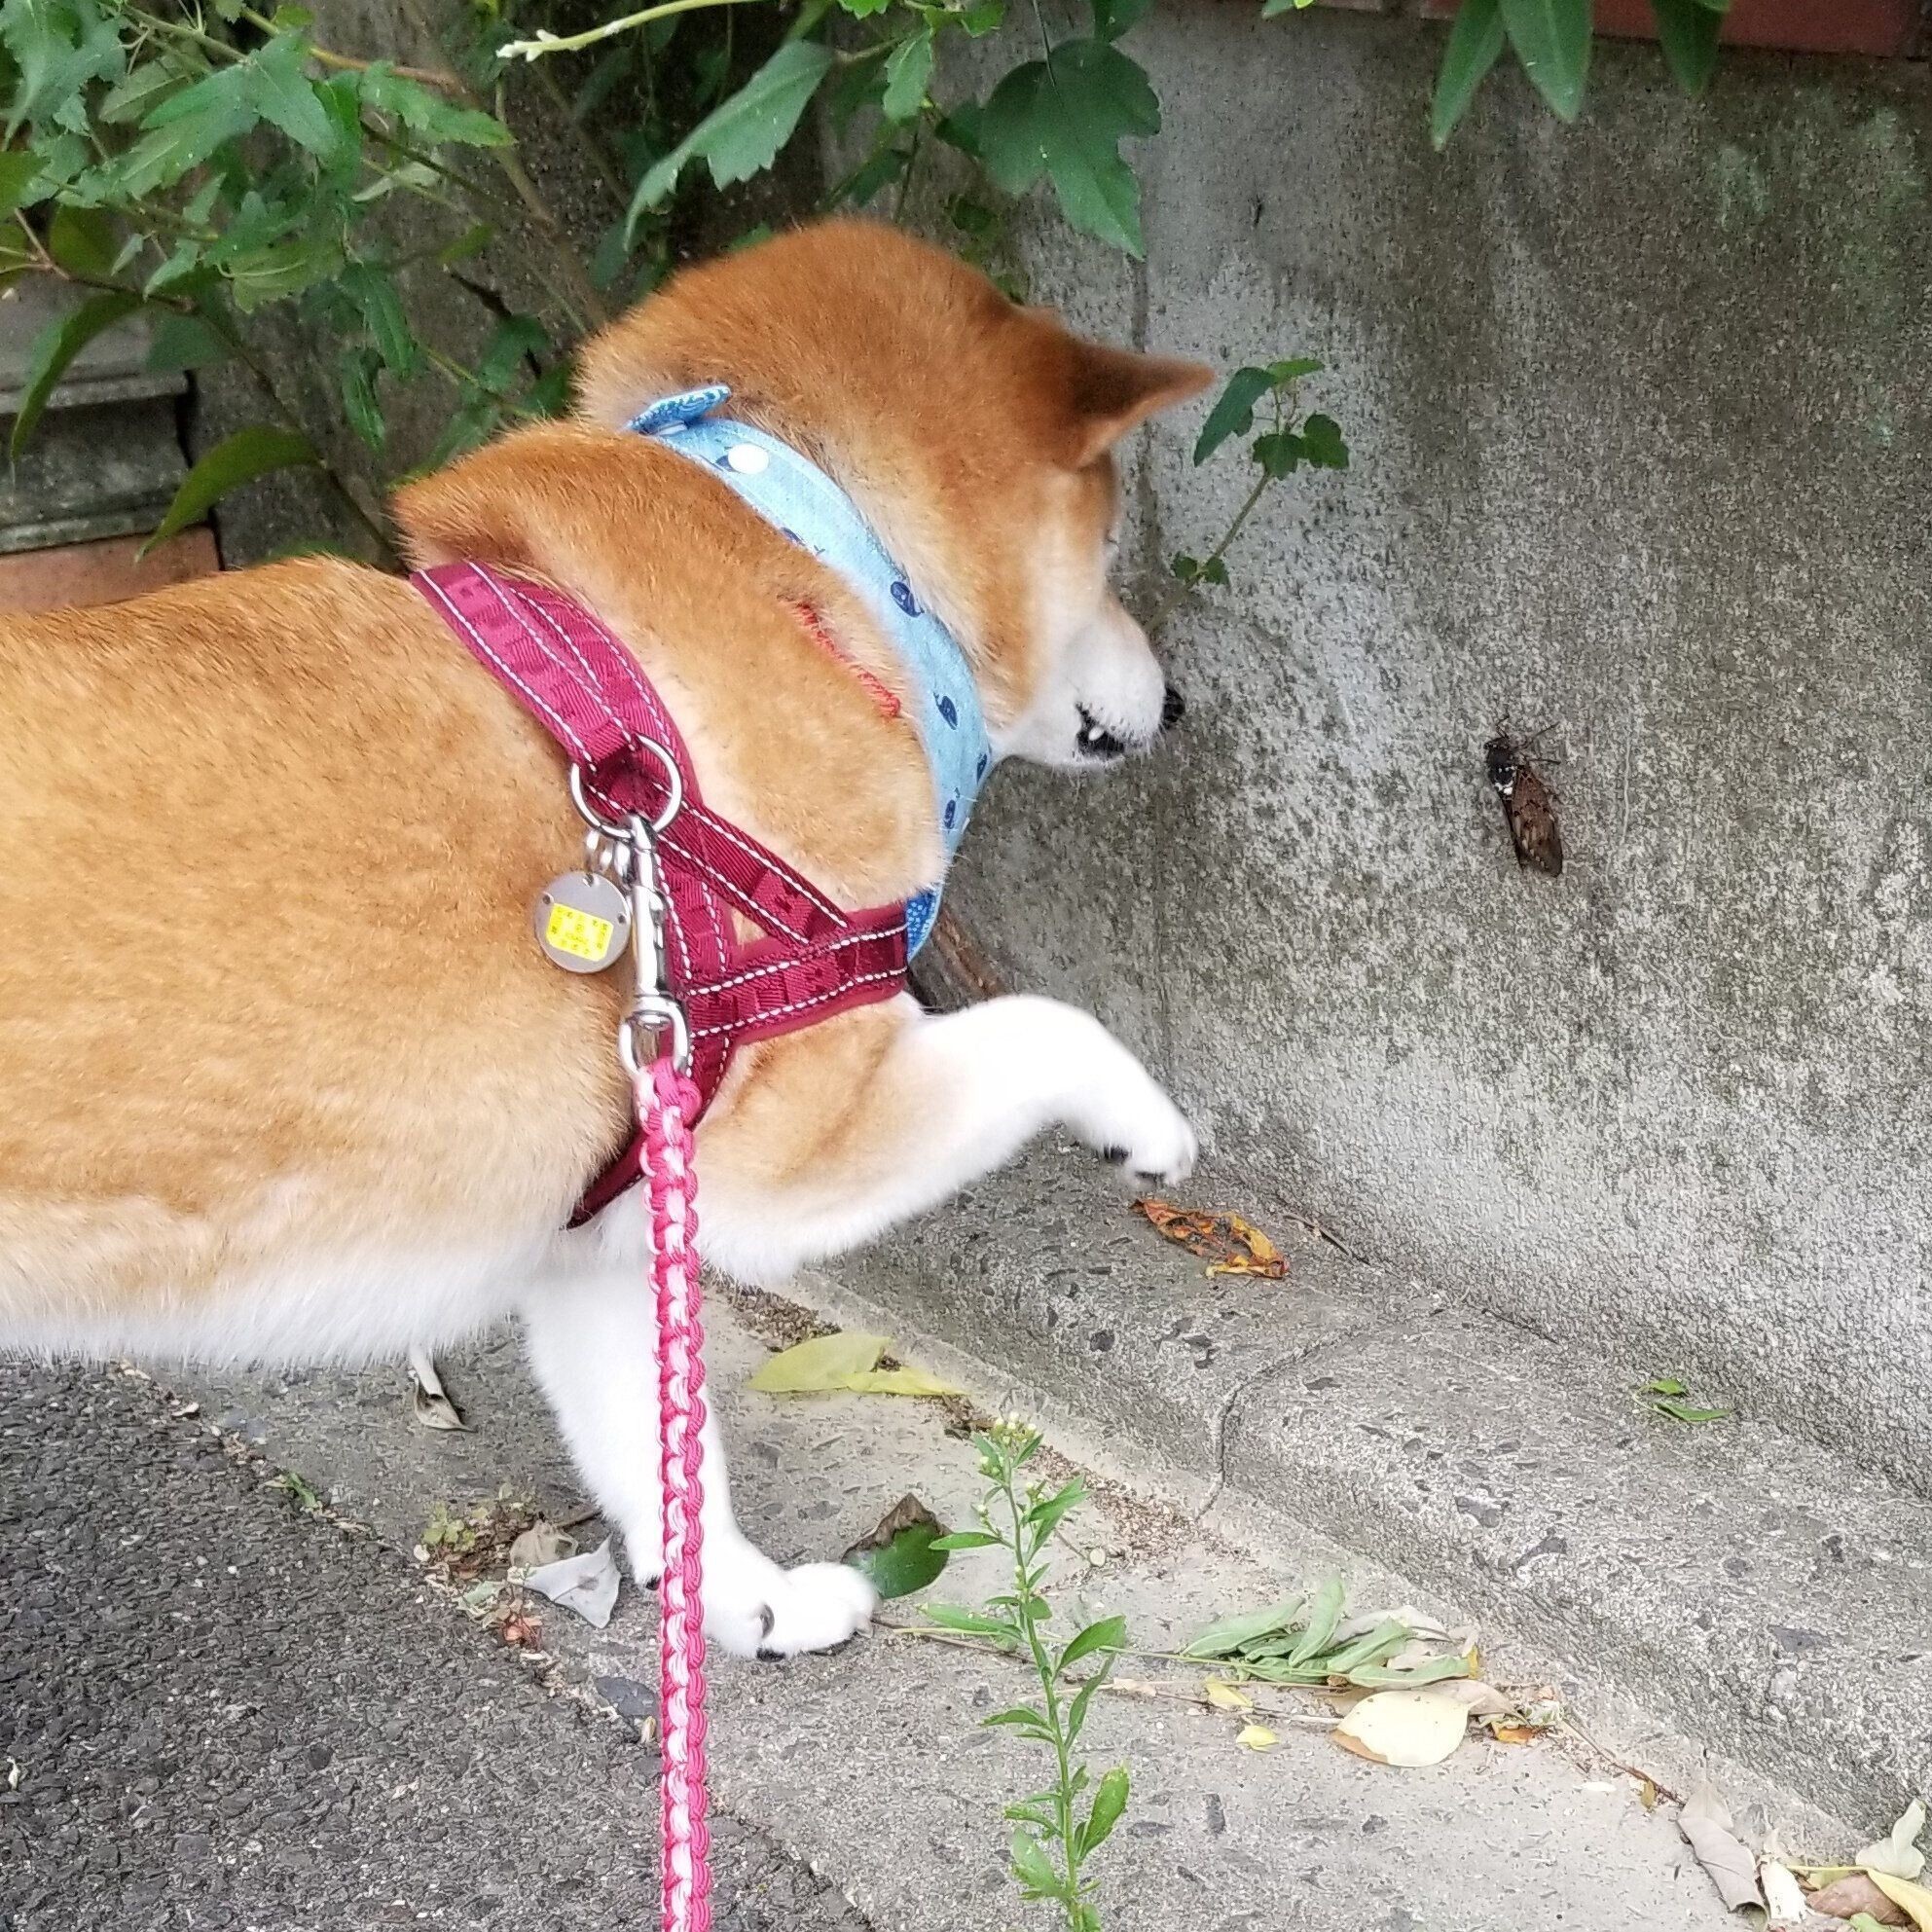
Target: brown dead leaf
1857,1893
1514,1734
1647,1794
1229,1244
1705,1822
906,1513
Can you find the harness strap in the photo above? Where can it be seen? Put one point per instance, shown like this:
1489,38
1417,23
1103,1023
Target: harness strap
567,668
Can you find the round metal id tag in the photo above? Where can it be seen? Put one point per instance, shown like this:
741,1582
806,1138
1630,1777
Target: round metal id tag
583,921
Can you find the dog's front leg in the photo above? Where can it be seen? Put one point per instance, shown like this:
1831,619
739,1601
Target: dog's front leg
950,1098
592,1339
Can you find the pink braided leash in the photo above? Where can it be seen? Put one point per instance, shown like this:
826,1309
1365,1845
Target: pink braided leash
667,1105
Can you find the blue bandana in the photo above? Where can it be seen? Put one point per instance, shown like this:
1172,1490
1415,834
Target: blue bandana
812,510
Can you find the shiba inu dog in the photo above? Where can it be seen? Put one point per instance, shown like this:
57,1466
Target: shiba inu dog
285,1076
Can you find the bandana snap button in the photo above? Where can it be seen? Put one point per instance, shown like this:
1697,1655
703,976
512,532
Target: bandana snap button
747,459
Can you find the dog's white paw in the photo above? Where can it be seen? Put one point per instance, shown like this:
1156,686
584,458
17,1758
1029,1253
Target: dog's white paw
1133,1124
753,1608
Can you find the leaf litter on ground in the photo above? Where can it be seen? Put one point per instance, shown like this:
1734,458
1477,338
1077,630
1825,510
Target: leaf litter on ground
843,1363
1732,1868
1229,1244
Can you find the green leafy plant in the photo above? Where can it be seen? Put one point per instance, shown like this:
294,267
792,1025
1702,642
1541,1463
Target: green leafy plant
1551,42
1057,1830
1289,443
1668,1396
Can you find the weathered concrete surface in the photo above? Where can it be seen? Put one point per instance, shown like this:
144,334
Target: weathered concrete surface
1639,412
1763,1596
214,1714
870,1766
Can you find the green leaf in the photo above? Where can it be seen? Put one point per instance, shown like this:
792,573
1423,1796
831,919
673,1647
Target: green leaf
357,370
1431,1671
19,171
1273,8
235,461
1324,1614
1475,43
1688,30
268,85
1045,1516
864,9
1233,413
1031,1865
819,1364
1682,1411
1233,1634
1110,1800
374,293
1322,443
1022,1717
1065,117
967,1539
971,1622
54,347
1666,1385
470,242
1113,17
909,1562
83,240
184,342
742,135
424,111
907,71
1293,369
58,47
1278,452
1371,1647
260,275
1108,1634
1552,39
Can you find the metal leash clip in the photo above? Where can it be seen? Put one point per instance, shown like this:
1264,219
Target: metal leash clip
626,848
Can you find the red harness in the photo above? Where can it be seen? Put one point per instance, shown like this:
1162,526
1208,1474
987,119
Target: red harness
567,671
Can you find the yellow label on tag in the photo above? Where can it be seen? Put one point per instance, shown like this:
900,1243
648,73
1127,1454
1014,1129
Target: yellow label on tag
581,934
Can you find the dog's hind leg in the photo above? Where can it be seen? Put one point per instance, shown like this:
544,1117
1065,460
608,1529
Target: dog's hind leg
592,1339
947,1099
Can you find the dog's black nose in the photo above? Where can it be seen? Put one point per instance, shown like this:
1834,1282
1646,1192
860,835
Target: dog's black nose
1173,709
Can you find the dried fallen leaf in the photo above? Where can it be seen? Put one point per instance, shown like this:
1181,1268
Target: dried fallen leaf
1784,1896
1514,1734
1898,1852
1479,1699
585,1584
848,1363
1229,1244
1847,1898
521,1629
1705,1822
1409,1729
1256,1737
1224,1696
432,1407
1914,1899
542,1542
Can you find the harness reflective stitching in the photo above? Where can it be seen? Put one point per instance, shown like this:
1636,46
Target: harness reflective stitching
573,676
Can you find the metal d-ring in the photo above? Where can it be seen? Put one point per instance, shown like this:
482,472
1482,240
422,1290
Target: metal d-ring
623,830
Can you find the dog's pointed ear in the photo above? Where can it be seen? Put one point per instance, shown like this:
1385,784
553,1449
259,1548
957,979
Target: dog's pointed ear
1113,391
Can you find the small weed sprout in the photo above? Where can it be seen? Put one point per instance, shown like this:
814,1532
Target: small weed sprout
1057,1830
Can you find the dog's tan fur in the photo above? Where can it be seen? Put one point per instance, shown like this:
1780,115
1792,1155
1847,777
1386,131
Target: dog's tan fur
267,982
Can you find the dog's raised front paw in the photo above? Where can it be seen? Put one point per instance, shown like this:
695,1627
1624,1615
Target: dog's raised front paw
753,1607
1137,1128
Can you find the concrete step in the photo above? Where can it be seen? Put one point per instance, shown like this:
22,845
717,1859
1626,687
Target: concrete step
872,1765
1757,1592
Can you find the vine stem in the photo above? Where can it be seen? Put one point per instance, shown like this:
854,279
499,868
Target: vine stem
1181,591
439,78
573,43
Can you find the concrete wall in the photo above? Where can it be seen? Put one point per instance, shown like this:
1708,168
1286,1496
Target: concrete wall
1641,431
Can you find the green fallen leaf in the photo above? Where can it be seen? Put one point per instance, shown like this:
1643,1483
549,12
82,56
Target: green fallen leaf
843,1363
907,1561
1233,1634
1666,1385
1680,1411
